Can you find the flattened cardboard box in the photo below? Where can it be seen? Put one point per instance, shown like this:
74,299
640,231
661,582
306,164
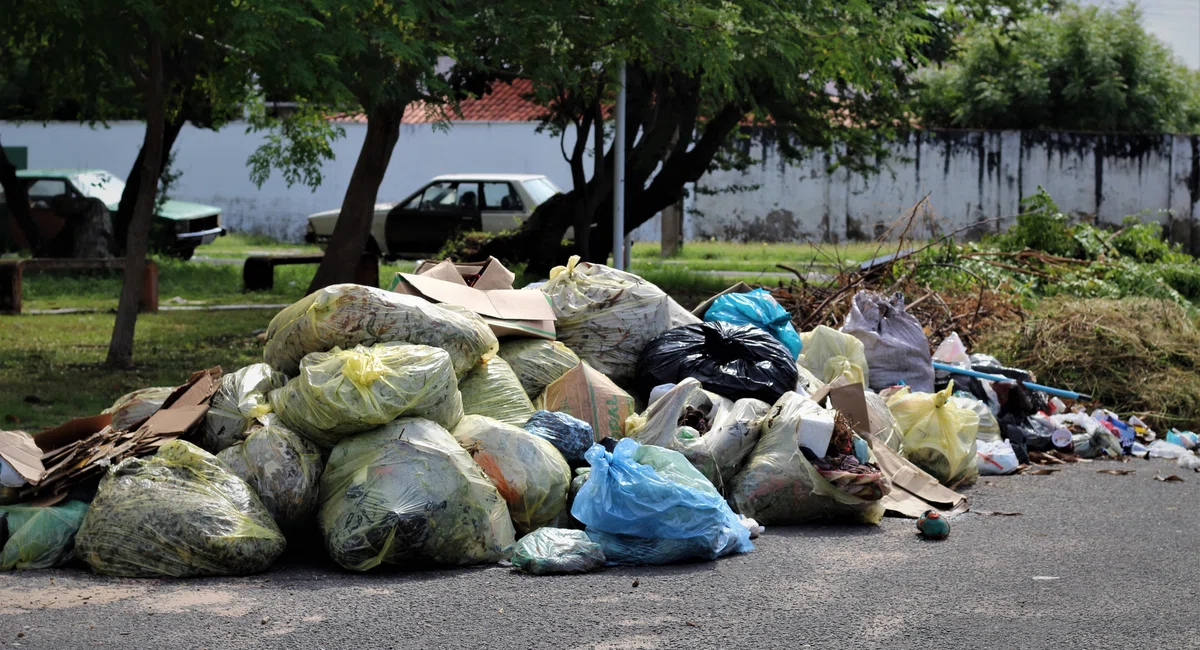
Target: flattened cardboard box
588,394
508,311
18,449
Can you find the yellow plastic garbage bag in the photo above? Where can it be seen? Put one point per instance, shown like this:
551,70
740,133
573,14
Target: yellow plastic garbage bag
939,435
492,389
538,362
407,494
528,471
343,392
180,513
282,467
241,397
606,316
830,354
345,315
713,433
780,486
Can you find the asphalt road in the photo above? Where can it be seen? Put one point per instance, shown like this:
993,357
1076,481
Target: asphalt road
1093,561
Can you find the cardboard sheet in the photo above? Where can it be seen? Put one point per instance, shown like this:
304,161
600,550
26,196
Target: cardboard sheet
18,449
588,394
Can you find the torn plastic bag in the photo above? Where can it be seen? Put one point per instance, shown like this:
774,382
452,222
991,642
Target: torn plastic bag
205,520
606,316
939,435
996,457
779,485
571,436
282,467
528,471
343,392
655,494
407,494
760,309
132,409
733,361
557,551
40,537
537,362
895,346
492,389
346,315
714,434
241,397
829,354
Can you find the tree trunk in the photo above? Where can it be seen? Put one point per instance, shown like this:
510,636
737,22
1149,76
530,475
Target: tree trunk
120,347
124,214
18,203
349,240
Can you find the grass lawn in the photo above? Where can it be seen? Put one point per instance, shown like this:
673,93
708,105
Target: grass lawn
50,365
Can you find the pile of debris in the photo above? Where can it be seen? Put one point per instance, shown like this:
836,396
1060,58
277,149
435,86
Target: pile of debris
589,420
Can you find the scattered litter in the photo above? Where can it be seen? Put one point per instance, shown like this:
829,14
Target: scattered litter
1046,578
1169,479
996,513
1116,472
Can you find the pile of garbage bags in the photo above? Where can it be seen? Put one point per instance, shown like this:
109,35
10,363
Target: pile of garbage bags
403,433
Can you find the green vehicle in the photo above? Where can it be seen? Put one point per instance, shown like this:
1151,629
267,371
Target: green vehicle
178,228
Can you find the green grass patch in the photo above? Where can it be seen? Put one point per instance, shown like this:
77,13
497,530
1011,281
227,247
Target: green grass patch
50,365
719,253
240,246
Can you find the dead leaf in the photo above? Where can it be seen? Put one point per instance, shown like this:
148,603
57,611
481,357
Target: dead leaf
996,513
1116,472
635,582
1042,471
693,624
1169,479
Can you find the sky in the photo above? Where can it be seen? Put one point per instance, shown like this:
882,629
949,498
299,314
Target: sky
1176,22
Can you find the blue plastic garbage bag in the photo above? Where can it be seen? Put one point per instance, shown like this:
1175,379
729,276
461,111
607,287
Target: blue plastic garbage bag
760,309
649,505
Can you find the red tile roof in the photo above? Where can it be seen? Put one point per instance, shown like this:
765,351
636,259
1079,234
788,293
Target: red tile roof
503,104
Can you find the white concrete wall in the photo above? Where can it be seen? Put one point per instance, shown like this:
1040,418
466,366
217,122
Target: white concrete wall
972,178
214,164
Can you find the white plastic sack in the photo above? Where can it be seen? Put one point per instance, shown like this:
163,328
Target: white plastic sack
606,316
894,343
1164,449
996,457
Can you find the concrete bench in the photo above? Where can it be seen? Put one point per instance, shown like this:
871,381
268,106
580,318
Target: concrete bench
12,274
258,273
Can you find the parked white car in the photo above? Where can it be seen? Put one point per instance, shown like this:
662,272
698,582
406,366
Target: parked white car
447,205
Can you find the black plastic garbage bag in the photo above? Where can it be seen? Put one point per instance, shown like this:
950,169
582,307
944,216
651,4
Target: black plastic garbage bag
571,436
733,361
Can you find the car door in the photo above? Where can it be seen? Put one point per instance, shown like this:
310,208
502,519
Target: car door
41,192
501,207
424,223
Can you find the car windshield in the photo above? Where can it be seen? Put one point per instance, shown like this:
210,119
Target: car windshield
100,185
541,189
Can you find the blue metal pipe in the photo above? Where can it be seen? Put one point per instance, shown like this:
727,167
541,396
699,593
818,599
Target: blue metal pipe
1030,385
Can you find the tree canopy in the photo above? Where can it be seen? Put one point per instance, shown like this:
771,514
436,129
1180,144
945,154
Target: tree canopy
1081,68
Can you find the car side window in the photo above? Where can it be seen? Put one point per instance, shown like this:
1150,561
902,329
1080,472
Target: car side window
44,189
500,197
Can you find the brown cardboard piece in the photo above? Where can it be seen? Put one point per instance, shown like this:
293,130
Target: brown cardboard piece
913,490
588,394
508,311
18,449
702,308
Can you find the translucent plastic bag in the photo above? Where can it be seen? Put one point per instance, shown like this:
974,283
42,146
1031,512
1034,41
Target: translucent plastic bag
282,467
529,472
241,397
714,434
939,435
40,537
345,315
830,354
883,424
758,308
132,409
989,426
651,493
492,389
780,486
407,494
571,436
557,551
894,343
537,362
342,392
180,513
606,316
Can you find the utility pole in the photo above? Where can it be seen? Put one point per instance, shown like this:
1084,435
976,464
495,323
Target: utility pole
618,237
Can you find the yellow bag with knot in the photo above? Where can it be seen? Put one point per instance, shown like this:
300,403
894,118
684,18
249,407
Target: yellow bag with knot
829,354
939,435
